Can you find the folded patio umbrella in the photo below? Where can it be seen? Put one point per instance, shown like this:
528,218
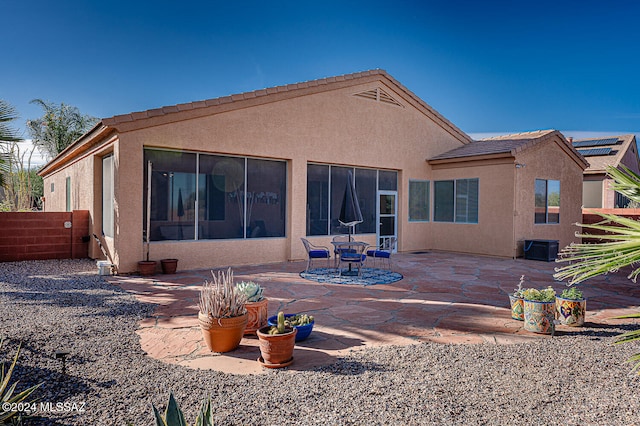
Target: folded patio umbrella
350,214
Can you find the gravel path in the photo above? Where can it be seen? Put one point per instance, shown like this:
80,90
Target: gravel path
63,305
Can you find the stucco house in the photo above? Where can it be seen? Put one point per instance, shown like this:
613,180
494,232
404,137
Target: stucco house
240,179
600,153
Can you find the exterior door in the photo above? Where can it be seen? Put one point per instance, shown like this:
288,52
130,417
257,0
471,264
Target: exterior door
387,216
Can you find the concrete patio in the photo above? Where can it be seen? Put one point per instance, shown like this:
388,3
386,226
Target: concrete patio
443,297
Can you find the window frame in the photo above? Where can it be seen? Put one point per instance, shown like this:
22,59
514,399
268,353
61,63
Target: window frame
455,195
426,196
546,201
281,198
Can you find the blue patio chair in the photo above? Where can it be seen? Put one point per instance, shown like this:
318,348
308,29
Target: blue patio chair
315,252
384,251
337,248
353,255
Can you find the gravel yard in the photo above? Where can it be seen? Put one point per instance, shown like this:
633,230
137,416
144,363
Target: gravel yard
577,378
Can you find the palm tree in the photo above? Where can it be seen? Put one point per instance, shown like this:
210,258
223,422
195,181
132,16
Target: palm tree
7,134
58,128
621,247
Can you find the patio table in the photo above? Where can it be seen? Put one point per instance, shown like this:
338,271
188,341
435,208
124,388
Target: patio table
350,252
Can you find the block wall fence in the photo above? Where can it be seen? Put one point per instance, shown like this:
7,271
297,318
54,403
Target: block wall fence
44,235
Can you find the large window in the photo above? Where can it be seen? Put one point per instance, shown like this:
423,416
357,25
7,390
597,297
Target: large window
456,201
418,200
547,199
325,190
228,197
107,196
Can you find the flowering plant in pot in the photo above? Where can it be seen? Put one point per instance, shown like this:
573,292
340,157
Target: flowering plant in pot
222,315
276,344
539,310
516,300
571,307
257,305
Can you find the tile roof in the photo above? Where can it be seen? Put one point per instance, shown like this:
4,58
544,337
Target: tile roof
163,111
598,162
495,145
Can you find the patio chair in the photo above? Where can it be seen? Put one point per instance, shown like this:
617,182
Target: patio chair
353,254
383,251
315,252
337,249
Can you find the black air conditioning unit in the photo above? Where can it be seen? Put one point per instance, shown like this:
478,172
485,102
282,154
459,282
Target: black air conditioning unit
546,250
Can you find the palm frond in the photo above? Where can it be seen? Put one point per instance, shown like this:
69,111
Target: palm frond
626,182
620,248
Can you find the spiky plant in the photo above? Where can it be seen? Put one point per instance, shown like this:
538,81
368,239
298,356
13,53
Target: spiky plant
220,299
619,247
173,415
7,395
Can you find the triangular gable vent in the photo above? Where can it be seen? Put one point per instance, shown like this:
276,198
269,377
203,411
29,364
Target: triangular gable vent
379,95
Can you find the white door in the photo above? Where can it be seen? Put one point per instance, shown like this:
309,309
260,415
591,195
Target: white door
387,216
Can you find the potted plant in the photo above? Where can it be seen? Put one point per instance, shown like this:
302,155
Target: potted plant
169,266
276,344
539,310
222,315
257,305
571,307
301,322
517,301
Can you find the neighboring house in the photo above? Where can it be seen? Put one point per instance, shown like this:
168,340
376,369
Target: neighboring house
530,188
240,179
600,153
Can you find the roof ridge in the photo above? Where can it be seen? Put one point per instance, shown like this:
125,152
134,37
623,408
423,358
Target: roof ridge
239,96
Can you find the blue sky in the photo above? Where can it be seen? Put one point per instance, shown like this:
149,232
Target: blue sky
489,67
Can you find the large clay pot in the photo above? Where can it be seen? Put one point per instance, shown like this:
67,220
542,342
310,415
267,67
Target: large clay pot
147,267
169,266
276,349
258,312
517,307
539,316
222,334
571,312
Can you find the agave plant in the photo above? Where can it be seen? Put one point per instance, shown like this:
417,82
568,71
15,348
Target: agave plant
173,415
7,396
620,248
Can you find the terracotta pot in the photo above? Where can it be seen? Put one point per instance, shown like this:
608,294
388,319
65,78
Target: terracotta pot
258,312
517,307
222,334
571,312
169,266
539,316
147,267
276,349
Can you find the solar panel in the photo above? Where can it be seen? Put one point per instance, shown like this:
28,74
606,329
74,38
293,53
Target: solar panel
595,142
595,151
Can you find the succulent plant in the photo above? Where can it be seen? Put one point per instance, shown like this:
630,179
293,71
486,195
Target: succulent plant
545,295
252,290
298,319
219,298
571,293
281,328
7,396
173,415
517,292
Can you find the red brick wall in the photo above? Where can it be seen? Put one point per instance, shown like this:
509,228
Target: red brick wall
43,235
589,217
